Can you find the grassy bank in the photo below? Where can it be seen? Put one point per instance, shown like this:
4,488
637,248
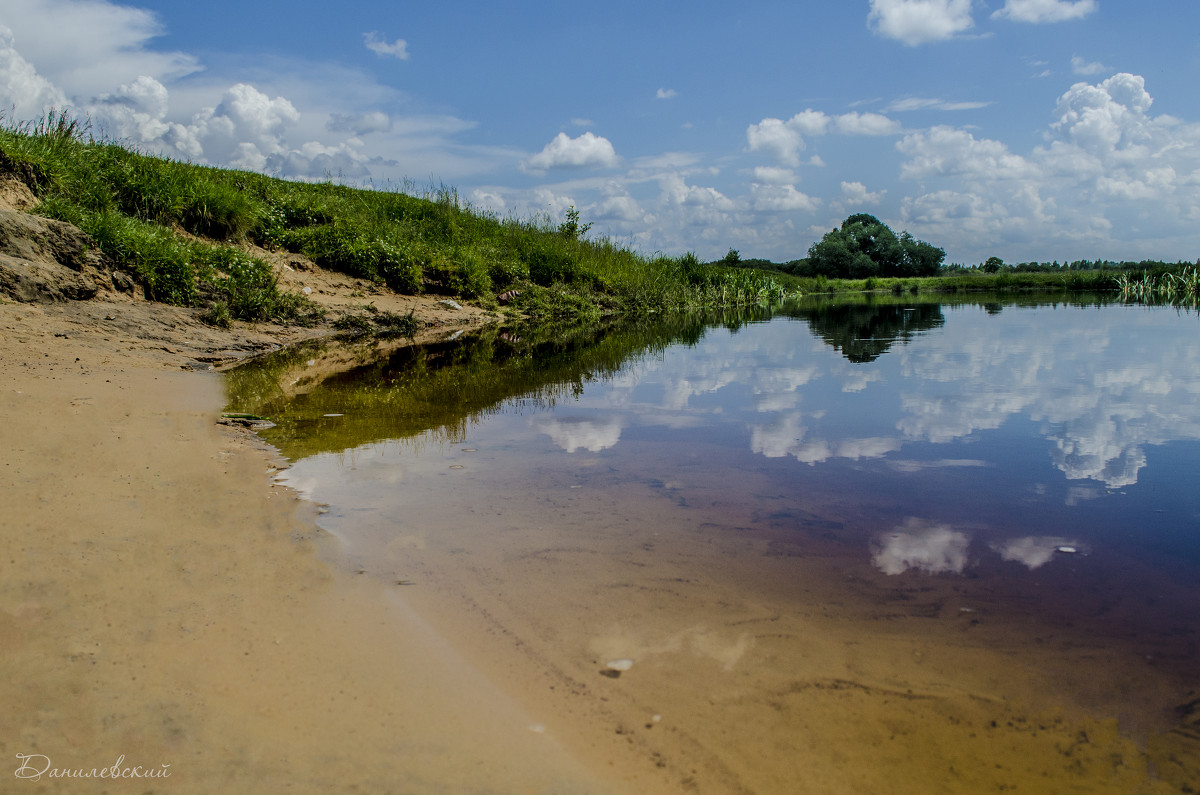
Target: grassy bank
179,230
972,282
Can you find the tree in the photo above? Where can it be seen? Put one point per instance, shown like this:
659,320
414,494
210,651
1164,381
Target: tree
864,246
993,264
571,228
732,258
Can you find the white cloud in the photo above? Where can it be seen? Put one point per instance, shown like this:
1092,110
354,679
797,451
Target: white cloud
489,201
359,123
771,175
26,93
1102,117
245,129
908,104
776,138
617,208
137,111
1108,164
810,122
587,151
866,124
784,140
666,93
916,22
675,190
944,151
85,47
1085,68
1040,11
380,46
782,198
856,195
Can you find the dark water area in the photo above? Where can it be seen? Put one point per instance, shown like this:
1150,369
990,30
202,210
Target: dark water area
1007,487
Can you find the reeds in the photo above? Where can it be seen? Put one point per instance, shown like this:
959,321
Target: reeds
1180,287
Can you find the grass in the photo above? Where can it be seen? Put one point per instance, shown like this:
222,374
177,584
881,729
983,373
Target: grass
181,231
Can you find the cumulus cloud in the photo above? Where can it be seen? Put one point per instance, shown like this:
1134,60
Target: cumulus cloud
933,549
1106,162
666,93
359,123
587,151
866,124
945,151
770,175
1086,68
85,47
856,195
245,129
781,198
776,138
784,140
617,208
1041,11
380,46
916,22
26,92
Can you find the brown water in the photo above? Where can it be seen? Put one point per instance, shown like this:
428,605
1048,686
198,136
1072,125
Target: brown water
893,548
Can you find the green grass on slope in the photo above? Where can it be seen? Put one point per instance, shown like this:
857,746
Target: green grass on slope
136,206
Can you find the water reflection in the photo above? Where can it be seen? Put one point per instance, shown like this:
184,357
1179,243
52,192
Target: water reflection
881,517
936,549
863,332
1036,551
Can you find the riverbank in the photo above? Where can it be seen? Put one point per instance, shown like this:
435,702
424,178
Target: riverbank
164,604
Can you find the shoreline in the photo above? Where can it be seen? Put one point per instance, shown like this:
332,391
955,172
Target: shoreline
166,602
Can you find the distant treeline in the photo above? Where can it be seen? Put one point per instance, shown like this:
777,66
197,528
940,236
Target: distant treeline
804,267
1076,265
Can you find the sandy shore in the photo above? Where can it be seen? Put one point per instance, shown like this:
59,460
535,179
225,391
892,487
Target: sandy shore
165,607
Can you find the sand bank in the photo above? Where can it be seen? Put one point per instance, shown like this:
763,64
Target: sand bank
164,607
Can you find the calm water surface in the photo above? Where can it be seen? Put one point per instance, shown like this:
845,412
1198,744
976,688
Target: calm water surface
899,525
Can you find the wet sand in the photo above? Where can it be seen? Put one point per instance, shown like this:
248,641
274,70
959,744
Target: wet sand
758,664
163,602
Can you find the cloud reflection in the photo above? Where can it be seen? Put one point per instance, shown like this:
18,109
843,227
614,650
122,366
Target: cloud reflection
1034,551
572,434
933,549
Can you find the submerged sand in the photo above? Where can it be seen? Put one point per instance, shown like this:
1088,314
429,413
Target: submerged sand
165,604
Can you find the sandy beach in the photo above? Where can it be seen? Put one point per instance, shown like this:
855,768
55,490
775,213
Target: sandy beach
164,604
172,616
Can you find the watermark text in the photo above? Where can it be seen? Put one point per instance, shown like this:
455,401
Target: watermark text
35,767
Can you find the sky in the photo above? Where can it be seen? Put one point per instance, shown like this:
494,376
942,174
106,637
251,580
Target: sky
1031,130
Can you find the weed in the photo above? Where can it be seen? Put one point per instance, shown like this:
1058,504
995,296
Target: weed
217,315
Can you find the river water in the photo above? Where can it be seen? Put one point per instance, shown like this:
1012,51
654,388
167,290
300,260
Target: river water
896,545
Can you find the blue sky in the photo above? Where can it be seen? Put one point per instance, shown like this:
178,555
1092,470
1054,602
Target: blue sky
1024,129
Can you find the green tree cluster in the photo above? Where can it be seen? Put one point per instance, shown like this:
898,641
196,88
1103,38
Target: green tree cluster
864,246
